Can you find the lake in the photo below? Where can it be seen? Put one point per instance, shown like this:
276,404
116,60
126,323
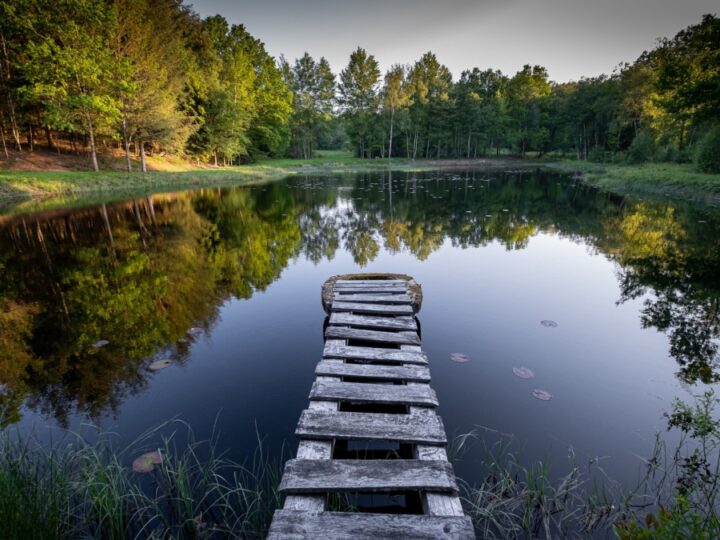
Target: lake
612,302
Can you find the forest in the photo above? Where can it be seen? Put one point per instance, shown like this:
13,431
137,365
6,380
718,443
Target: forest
139,77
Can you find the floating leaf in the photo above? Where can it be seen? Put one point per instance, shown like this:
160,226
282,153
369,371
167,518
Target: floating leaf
100,343
146,462
157,365
459,357
549,324
524,373
542,395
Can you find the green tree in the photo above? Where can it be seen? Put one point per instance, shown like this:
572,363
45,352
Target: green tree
313,87
395,97
525,93
70,68
359,99
430,84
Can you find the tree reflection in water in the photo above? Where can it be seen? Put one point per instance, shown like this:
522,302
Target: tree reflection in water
142,272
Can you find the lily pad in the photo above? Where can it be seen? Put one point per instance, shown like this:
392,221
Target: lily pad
524,373
459,357
100,343
549,324
542,395
157,365
146,462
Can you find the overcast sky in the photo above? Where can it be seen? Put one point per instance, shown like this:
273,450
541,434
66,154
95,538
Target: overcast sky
571,38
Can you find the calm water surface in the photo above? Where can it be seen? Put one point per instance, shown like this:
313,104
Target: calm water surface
632,285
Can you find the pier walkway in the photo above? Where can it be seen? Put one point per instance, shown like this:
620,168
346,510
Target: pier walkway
372,459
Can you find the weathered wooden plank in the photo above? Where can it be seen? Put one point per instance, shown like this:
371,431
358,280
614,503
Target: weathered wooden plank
366,321
368,475
421,395
296,525
371,282
343,332
337,368
372,309
386,289
372,298
411,428
373,354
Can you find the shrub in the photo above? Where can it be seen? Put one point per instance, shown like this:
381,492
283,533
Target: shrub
642,148
599,155
707,153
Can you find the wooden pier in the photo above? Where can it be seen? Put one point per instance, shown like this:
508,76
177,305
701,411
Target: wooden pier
370,430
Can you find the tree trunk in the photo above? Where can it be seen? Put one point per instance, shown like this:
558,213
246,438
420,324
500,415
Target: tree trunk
143,163
216,162
468,143
93,149
48,135
31,138
392,120
2,136
10,104
126,143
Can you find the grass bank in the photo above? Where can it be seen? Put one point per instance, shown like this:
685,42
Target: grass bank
653,180
23,185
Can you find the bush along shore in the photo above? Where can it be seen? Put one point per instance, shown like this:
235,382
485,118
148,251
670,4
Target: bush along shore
177,487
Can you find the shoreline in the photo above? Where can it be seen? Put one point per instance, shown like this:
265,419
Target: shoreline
27,189
37,190
648,180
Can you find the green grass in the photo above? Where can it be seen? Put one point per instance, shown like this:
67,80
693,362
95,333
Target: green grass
648,180
39,184
76,489
86,186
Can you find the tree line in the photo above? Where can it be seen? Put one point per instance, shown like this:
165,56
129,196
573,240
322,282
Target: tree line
151,76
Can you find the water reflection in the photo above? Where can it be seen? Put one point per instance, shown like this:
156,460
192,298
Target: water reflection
141,273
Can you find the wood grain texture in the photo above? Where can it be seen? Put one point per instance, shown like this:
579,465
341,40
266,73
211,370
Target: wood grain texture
373,298
367,475
379,336
373,354
338,368
411,428
371,282
296,525
368,321
421,394
372,309
387,289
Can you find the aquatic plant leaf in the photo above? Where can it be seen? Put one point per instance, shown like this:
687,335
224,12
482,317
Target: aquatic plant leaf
524,373
157,365
542,395
459,357
146,462
549,324
100,343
